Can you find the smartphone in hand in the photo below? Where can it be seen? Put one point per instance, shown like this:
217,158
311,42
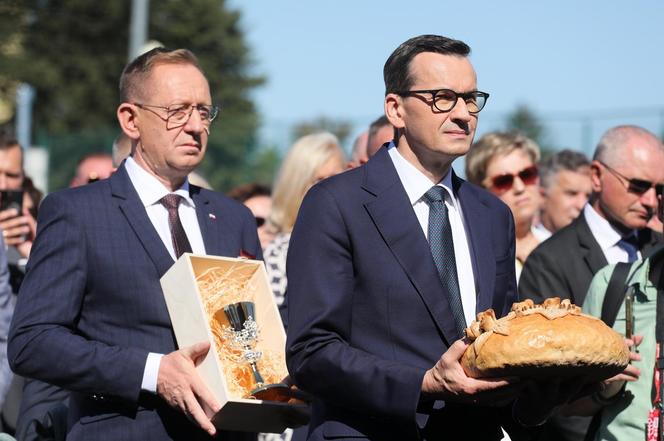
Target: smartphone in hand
11,199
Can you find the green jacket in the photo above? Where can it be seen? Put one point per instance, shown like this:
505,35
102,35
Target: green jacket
625,420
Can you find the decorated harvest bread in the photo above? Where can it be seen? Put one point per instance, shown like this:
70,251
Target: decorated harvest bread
553,339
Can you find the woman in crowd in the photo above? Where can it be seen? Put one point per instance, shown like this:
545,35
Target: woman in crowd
506,165
311,159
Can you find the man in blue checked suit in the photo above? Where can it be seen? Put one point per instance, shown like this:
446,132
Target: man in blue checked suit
91,317
389,262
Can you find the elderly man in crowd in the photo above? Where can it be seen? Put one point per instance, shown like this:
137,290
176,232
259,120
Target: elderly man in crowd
565,188
625,403
611,228
91,317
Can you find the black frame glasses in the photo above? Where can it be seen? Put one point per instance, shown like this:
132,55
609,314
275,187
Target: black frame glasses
178,115
505,182
636,186
444,100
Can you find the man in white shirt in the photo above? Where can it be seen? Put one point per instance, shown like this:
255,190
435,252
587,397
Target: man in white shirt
91,316
388,263
611,228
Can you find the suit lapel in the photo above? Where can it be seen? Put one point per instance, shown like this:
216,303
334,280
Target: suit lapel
477,217
592,253
132,208
397,223
207,221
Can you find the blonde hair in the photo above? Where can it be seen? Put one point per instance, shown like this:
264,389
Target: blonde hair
297,174
494,144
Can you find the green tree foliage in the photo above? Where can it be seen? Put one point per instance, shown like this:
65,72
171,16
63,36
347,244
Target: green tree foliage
341,129
73,51
523,119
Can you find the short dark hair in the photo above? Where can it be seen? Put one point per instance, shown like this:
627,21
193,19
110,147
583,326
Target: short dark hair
245,192
136,72
396,71
7,140
563,160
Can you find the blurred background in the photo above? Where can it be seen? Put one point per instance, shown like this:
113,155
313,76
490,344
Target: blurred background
562,72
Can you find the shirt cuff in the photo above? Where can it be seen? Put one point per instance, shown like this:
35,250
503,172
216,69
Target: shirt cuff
151,372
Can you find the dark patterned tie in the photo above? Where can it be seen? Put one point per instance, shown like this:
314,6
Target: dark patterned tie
442,250
180,242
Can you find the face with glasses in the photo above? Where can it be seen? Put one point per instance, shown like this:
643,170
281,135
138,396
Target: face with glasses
170,121
514,178
437,116
627,185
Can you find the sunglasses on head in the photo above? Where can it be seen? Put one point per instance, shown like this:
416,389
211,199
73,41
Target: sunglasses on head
636,186
505,182
260,221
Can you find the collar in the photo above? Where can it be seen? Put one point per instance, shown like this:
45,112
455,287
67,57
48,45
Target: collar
148,187
414,181
605,234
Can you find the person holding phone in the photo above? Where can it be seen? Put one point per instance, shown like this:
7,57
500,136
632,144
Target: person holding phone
17,225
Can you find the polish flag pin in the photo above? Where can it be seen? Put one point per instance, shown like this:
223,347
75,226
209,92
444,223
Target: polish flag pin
212,216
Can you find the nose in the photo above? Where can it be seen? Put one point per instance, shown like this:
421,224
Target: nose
518,185
195,123
649,198
460,110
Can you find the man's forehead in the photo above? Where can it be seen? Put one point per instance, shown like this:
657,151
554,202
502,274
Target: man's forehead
11,157
447,70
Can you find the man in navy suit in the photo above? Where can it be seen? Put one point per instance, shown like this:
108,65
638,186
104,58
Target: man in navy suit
371,308
91,317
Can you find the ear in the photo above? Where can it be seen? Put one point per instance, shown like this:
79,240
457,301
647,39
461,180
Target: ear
128,119
394,110
596,176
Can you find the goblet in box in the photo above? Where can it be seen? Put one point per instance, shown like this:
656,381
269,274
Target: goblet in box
242,333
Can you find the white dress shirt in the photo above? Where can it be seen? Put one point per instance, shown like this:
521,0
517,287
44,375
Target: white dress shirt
416,185
606,236
150,191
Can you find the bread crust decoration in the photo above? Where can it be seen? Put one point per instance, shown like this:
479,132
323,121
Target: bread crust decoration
553,339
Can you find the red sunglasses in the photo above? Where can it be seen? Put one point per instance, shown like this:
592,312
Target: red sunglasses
505,182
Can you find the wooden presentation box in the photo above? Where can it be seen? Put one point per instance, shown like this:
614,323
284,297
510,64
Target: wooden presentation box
187,309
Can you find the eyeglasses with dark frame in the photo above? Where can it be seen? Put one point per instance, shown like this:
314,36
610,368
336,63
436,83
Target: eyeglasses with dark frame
177,115
444,100
505,181
636,186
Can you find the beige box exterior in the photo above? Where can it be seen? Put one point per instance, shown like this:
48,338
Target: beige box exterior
191,326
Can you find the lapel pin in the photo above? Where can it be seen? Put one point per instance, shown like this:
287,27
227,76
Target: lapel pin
212,216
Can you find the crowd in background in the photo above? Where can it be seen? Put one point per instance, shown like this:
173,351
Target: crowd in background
572,217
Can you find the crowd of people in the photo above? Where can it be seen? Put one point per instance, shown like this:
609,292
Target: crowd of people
377,264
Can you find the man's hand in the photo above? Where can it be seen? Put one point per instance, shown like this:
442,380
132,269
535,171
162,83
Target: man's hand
609,388
18,230
179,384
447,381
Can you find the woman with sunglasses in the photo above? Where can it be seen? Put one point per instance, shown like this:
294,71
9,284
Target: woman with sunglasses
506,165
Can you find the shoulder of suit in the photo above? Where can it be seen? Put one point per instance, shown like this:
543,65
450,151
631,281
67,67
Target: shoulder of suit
560,243
483,195
220,199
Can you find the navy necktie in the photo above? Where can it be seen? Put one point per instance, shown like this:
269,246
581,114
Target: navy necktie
442,250
180,242
629,245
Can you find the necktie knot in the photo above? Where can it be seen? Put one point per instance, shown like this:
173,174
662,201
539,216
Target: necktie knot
171,201
435,194
630,245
